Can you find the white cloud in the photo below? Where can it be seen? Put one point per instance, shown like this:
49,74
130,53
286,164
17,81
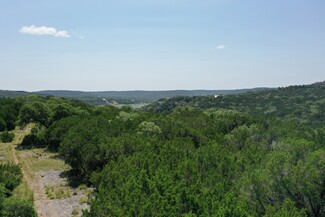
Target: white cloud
44,30
62,34
220,47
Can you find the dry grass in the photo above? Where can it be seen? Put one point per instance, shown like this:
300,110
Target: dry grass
58,191
75,212
41,160
86,193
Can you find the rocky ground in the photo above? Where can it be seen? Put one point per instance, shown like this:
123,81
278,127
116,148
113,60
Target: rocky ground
68,201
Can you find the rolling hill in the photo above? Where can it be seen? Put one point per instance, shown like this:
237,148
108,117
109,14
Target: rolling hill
123,97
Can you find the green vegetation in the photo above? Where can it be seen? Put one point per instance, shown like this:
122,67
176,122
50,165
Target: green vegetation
10,178
39,159
252,154
9,110
305,103
6,153
15,207
57,191
75,212
121,97
6,137
14,192
23,192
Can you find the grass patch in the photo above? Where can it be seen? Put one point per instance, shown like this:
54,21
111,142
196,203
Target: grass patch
6,149
75,212
57,192
6,153
41,160
86,193
48,164
83,199
23,192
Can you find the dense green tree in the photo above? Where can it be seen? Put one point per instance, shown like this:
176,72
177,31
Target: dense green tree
3,124
35,112
57,130
9,109
149,128
62,111
287,209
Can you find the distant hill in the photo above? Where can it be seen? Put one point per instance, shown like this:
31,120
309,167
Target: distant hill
10,93
304,102
124,97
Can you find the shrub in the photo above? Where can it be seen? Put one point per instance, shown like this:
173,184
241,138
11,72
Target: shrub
7,136
36,138
10,175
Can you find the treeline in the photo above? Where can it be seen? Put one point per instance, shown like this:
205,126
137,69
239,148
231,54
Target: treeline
23,110
121,97
186,161
305,103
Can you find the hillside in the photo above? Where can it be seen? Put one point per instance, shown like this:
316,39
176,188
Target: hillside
305,103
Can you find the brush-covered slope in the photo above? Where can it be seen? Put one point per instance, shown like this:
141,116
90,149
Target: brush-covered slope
304,102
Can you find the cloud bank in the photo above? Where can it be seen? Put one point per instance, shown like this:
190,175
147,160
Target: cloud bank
44,30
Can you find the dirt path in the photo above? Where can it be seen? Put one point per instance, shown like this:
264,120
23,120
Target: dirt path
42,171
43,205
19,135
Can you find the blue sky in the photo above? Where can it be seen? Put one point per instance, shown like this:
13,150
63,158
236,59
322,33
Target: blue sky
160,44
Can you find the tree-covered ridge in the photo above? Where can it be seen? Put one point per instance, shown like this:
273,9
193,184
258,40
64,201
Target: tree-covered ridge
121,97
305,103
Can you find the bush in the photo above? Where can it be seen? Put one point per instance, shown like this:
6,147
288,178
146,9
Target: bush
30,140
3,124
10,175
36,138
14,207
7,137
